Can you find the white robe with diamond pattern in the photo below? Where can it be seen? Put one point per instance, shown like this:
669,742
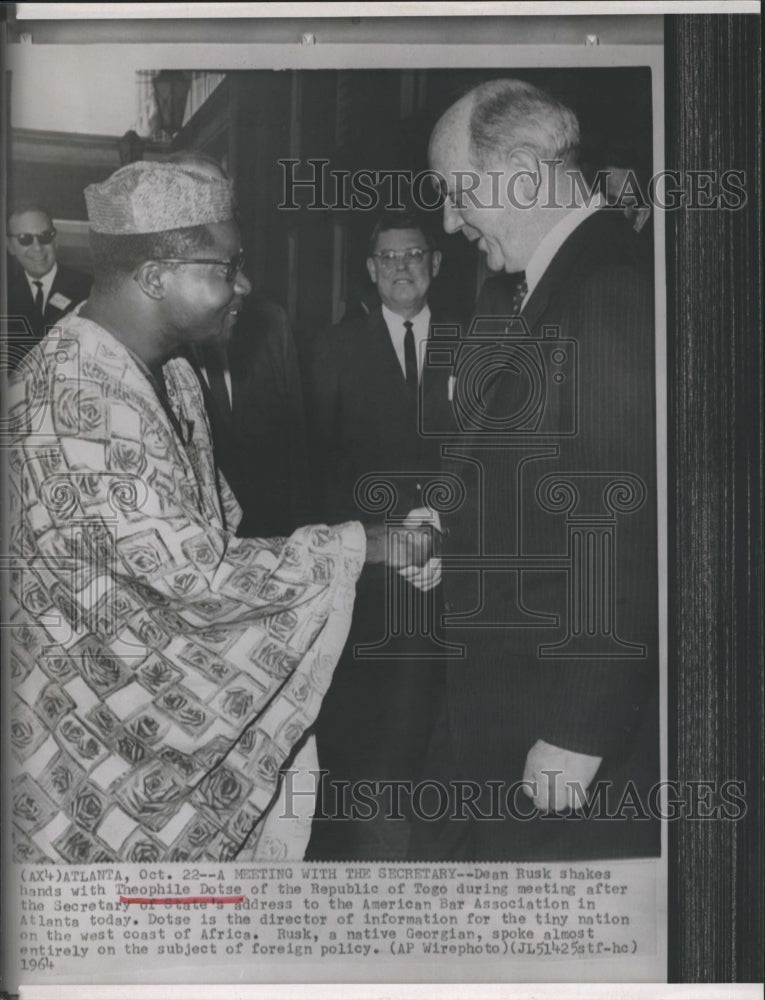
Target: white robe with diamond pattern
163,669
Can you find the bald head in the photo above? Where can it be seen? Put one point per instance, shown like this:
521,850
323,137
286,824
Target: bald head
508,113
450,139
489,149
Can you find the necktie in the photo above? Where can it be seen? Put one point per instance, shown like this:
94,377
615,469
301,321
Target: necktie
38,306
521,290
410,359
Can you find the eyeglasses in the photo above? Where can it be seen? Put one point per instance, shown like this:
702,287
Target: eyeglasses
389,258
233,266
27,239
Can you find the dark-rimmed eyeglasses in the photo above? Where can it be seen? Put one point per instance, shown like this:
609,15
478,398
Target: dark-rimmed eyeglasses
27,239
390,258
233,265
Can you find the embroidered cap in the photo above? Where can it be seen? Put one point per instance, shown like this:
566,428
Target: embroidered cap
148,197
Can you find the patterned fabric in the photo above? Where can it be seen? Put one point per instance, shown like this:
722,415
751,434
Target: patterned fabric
148,197
163,669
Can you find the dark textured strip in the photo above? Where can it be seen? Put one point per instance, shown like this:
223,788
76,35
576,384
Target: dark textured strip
713,103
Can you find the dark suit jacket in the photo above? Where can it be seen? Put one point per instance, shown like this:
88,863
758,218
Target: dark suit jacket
259,441
375,719
362,420
73,286
584,382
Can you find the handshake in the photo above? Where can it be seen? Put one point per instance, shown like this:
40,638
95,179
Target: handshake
412,548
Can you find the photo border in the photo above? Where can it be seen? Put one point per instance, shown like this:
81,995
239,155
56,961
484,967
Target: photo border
714,310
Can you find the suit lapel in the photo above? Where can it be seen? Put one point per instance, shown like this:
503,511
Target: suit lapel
561,267
537,301
25,293
222,414
25,300
382,353
239,371
434,381
558,271
54,312
219,418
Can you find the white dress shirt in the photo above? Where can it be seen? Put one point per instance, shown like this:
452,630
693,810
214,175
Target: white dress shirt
47,283
420,329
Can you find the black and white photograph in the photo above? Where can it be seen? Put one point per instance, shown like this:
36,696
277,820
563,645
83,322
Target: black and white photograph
359,609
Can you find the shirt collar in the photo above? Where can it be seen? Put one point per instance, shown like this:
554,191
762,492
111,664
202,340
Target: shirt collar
46,281
395,323
554,240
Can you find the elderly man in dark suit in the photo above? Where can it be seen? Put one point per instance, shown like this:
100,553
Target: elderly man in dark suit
375,722
550,567
39,288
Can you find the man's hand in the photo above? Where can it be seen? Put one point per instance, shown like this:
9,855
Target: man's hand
399,546
428,576
557,775
423,577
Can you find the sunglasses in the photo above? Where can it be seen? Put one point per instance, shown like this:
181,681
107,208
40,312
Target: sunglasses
233,266
27,239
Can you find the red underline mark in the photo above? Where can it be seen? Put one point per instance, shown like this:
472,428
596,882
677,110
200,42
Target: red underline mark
180,900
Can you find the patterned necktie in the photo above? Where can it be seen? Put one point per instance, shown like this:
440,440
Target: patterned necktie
38,305
521,290
410,359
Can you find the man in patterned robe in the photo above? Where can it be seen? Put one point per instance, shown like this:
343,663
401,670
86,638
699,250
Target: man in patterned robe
163,670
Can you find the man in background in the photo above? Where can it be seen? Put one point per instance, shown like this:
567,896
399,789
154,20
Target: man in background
366,377
39,288
253,394
254,399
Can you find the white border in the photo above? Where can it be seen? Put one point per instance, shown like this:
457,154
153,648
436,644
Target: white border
468,8
403,991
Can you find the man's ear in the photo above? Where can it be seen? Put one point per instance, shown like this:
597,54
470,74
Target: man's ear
435,263
372,268
525,175
150,278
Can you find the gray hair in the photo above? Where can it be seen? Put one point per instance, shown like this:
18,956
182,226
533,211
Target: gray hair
510,113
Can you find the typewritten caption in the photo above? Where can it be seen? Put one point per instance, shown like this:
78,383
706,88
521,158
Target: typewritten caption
72,918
